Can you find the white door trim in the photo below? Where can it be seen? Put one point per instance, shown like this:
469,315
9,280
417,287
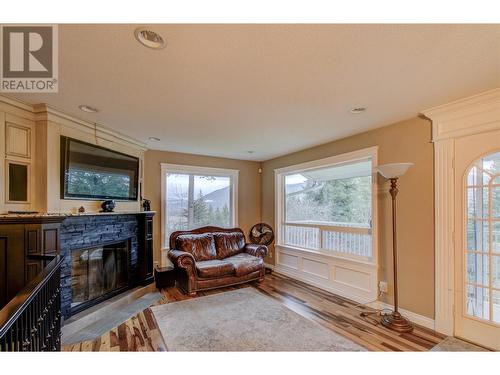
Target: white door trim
476,114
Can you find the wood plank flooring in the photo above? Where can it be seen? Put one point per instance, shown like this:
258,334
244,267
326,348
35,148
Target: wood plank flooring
141,333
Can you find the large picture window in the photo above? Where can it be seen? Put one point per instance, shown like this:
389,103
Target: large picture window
328,206
194,197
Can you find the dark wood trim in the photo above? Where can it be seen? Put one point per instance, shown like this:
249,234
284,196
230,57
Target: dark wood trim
29,219
145,248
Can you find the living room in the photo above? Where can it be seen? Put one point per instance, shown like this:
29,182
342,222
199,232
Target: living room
190,186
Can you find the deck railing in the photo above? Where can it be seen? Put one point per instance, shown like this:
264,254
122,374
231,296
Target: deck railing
31,321
343,238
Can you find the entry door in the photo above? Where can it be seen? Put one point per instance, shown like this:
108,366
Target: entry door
477,239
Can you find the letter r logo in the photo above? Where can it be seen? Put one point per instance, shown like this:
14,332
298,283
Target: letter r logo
27,52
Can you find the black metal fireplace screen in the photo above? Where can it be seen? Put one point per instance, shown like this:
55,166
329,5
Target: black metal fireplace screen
98,273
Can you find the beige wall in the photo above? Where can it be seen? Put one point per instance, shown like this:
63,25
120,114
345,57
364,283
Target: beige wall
249,186
406,141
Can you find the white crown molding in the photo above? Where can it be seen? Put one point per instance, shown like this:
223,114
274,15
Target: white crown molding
472,115
16,108
16,103
43,112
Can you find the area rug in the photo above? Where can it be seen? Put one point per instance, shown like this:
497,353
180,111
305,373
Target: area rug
242,320
452,344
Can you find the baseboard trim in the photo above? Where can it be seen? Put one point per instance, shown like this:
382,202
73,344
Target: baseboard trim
421,320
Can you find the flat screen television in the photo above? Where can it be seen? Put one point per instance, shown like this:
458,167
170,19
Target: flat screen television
96,173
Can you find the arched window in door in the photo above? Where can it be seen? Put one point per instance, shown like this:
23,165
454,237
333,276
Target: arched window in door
482,273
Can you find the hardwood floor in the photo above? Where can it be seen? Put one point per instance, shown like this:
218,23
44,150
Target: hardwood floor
140,333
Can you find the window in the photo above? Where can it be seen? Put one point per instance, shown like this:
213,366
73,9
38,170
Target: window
194,197
327,206
482,281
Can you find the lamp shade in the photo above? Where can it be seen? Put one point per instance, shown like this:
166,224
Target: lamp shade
393,170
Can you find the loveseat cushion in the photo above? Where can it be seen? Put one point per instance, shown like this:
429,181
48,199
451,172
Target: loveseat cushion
202,246
229,244
245,263
214,268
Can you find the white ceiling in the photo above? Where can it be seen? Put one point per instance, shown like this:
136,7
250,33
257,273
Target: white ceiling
222,90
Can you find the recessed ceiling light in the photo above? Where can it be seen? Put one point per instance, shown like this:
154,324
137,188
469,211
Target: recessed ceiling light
358,110
149,38
88,108
154,139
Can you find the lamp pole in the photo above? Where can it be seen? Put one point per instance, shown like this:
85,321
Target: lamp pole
394,320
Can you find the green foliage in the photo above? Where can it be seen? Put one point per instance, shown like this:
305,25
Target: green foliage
204,214
346,200
98,183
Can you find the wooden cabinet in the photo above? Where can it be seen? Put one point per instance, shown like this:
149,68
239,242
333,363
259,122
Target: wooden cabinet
17,151
17,140
23,242
13,261
145,238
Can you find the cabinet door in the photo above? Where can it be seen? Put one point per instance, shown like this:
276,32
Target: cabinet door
146,249
149,228
12,238
50,239
3,271
17,140
32,235
33,268
148,253
32,246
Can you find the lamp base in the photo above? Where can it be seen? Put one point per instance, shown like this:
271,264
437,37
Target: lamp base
396,322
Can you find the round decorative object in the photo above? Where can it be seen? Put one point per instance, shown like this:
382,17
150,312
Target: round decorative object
108,206
261,234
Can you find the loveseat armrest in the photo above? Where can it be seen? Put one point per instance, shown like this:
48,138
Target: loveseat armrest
256,250
182,259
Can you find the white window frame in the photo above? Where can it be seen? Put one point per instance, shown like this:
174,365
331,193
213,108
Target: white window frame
200,171
326,265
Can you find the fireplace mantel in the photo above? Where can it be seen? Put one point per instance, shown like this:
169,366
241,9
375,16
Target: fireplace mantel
61,233
58,216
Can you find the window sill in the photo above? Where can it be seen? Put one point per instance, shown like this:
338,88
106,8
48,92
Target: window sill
356,260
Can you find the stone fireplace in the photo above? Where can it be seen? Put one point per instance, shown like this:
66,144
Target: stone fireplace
104,254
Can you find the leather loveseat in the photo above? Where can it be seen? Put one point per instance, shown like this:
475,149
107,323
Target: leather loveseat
211,257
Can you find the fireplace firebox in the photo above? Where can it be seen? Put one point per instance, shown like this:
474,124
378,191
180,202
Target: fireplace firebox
99,272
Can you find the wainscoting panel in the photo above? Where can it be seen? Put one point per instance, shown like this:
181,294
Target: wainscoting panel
346,277
315,268
353,278
288,260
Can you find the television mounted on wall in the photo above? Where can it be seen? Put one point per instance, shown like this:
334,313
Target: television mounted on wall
93,172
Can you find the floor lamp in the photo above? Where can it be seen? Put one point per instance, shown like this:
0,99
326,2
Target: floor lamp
395,320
